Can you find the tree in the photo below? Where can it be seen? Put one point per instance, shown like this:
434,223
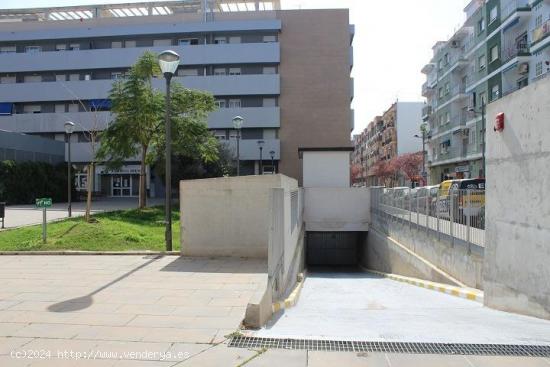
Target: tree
138,126
356,173
410,165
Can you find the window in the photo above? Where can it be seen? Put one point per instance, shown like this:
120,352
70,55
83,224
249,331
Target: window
234,71
538,68
74,46
495,92
61,47
440,64
482,98
220,103
59,108
87,76
117,75
162,42
8,79
32,108
447,117
268,39
493,14
188,72
32,49
60,77
220,40
8,49
32,78
494,53
480,26
220,134
270,70
219,71
440,92
73,107
538,21
74,77
447,88
234,103
188,41
472,136
235,39
446,60
444,146
269,102
482,62
129,44
116,44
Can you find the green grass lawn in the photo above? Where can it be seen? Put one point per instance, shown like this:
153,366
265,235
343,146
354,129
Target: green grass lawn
123,230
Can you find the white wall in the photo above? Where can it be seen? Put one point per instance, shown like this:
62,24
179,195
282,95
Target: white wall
326,169
517,253
409,119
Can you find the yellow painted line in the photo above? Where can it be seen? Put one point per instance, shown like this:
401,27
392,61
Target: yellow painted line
470,294
292,298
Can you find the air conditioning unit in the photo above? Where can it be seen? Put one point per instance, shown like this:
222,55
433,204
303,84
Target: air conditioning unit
455,44
523,68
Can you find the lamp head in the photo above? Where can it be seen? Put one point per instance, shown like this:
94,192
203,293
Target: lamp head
238,122
261,143
168,61
69,127
272,153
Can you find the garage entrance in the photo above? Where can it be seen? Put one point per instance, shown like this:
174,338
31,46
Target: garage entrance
333,248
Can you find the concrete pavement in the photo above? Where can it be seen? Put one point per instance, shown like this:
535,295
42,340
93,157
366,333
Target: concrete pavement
365,307
24,215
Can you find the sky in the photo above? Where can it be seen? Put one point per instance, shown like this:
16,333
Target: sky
393,40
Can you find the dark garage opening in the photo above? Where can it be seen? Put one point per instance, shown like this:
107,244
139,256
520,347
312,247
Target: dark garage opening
333,249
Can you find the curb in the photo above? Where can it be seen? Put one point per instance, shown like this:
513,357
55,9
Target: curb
467,293
110,253
292,298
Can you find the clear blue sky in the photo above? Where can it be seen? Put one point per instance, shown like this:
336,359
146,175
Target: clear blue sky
393,40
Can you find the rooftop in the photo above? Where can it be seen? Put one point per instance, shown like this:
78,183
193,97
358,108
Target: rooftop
136,9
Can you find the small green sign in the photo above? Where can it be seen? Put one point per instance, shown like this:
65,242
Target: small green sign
44,202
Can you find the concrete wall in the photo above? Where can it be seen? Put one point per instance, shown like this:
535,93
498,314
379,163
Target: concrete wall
337,209
326,169
517,261
228,216
21,147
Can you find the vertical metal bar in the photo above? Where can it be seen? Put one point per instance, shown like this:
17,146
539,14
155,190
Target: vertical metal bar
437,214
44,225
417,214
168,173
468,211
451,216
410,209
427,212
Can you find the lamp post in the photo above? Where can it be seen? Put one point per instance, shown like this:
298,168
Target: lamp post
69,128
272,154
425,136
168,62
482,113
261,146
237,124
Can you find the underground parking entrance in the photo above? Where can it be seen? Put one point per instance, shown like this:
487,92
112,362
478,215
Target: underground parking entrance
335,251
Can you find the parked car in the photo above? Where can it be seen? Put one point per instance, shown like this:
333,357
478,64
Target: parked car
468,196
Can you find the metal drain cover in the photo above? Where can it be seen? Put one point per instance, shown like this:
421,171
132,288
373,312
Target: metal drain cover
392,347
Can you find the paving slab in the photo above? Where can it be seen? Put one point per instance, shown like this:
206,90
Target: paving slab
281,357
329,359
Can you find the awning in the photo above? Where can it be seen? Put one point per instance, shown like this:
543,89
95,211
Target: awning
6,108
100,103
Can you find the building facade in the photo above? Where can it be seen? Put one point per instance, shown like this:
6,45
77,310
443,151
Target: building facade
260,62
503,46
386,137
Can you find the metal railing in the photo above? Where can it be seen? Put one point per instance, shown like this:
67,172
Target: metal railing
456,216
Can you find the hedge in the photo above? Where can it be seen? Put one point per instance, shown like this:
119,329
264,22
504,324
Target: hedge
23,182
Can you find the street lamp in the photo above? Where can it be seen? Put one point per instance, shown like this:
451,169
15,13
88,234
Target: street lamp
237,124
69,128
168,62
261,146
272,154
425,136
482,113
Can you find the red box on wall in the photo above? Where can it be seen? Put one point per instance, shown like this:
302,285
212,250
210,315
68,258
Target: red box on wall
499,122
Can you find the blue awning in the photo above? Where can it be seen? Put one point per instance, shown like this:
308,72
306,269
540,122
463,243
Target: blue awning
6,108
100,103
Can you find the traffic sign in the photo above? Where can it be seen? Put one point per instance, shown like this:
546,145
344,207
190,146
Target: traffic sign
44,203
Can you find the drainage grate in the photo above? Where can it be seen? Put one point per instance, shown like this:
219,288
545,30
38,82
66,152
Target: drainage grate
392,347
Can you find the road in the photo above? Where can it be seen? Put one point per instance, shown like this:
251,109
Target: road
364,307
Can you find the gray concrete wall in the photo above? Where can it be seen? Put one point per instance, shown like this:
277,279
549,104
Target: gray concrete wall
517,261
21,147
228,216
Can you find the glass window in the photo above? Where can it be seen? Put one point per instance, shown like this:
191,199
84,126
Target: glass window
73,107
116,44
495,92
234,103
219,71
268,39
60,107
74,77
220,103
74,46
235,39
481,25
188,72
188,41
234,71
220,40
8,79
60,77
129,44
447,88
270,70
61,47
482,62
164,42
493,14
482,98
269,102
7,49
117,75
494,53
33,49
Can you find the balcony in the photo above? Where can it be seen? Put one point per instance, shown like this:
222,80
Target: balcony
249,150
112,58
513,50
226,85
521,7
540,33
255,117
427,90
426,112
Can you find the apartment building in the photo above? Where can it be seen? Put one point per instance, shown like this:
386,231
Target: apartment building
386,137
268,65
502,47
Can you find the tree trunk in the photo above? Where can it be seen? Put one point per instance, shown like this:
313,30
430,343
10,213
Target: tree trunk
90,189
142,180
